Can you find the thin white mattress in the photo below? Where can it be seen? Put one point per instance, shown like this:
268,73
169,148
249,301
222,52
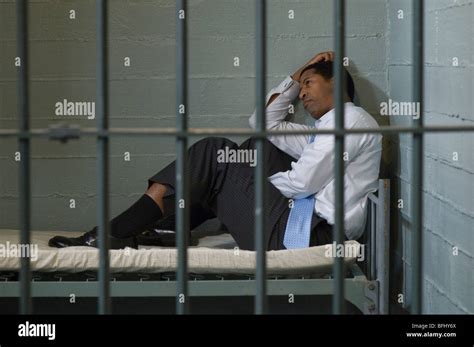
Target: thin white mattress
213,255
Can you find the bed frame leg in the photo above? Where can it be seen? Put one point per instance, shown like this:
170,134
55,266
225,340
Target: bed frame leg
371,304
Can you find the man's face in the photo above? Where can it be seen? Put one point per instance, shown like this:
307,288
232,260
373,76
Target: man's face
316,93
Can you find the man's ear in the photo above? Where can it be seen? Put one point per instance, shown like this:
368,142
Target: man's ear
332,82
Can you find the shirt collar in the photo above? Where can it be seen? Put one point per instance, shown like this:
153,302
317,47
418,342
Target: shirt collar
330,115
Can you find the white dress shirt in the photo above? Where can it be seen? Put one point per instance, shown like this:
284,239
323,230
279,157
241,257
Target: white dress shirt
313,172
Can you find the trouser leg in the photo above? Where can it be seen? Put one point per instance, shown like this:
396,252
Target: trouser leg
227,188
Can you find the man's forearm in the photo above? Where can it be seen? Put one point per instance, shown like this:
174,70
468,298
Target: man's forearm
296,75
273,97
277,102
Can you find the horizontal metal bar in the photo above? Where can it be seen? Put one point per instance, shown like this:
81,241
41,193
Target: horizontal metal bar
355,288
46,133
168,288
64,132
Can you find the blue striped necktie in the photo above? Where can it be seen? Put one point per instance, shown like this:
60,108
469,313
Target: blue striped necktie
298,226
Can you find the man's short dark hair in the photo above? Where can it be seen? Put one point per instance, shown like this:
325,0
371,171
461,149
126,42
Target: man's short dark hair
325,69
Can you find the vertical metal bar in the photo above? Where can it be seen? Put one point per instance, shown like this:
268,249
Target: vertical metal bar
368,240
374,238
338,297
383,245
103,156
24,147
260,188
182,184
417,174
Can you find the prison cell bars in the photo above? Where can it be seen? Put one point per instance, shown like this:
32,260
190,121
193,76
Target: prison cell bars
103,154
24,147
67,132
182,177
338,235
260,170
417,157
102,132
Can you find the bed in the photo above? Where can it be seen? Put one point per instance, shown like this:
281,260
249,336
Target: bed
216,267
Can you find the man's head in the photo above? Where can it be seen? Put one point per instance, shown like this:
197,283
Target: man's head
317,88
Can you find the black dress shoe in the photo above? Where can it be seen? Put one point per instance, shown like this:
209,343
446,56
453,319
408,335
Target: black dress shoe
162,238
90,239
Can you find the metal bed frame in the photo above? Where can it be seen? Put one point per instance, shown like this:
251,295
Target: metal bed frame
368,292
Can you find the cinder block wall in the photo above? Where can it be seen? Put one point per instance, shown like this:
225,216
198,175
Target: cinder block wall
448,282
63,53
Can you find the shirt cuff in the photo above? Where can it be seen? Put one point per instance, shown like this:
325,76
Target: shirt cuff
289,87
277,179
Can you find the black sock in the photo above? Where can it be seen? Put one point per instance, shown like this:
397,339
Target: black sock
136,218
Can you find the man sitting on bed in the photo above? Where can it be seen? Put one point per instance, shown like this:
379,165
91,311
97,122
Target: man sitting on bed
300,170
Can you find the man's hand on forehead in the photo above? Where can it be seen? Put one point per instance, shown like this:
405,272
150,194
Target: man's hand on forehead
323,56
